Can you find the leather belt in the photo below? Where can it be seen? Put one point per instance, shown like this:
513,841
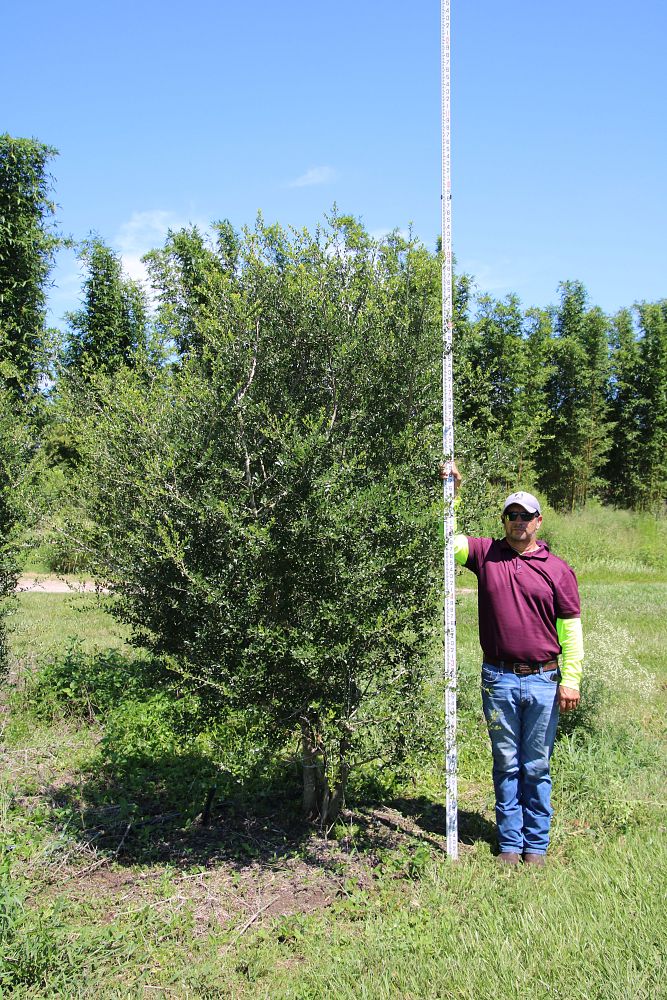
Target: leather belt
523,667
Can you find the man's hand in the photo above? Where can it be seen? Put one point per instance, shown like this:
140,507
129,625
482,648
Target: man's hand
456,475
568,699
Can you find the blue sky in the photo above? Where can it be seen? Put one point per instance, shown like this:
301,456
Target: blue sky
168,113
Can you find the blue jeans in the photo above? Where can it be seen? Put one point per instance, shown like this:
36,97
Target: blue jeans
521,715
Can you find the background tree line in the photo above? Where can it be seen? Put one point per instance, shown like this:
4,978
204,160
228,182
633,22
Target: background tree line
565,398
248,458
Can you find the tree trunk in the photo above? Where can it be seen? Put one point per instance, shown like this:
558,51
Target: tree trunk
313,777
320,802
337,800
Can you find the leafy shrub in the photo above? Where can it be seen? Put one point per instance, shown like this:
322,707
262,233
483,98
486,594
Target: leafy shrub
90,684
16,443
263,510
146,759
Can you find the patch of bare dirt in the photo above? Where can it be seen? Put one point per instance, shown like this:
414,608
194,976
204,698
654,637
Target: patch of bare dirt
255,861
222,893
203,870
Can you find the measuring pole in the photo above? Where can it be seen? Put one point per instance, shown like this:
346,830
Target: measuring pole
448,445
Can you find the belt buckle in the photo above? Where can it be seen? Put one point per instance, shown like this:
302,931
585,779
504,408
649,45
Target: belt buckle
522,669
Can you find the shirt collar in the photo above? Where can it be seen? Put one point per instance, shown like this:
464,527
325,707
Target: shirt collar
541,552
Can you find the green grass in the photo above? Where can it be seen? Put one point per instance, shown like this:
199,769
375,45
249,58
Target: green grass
43,624
101,896
469,931
604,544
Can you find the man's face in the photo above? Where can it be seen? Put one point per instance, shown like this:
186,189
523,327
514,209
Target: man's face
524,528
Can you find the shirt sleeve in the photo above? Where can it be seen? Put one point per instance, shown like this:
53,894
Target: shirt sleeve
568,604
571,640
461,549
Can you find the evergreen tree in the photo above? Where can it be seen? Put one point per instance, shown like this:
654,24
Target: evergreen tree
27,246
623,473
189,275
263,511
652,405
110,328
577,432
502,361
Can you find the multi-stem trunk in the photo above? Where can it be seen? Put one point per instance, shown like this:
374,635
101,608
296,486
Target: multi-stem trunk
322,799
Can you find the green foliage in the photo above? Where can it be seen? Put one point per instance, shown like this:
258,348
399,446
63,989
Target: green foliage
16,445
501,371
157,745
52,548
652,411
110,329
624,471
637,469
191,276
27,246
577,437
566,400
89,684
151,750
263,510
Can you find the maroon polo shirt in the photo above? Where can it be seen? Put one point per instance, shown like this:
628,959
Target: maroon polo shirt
519,599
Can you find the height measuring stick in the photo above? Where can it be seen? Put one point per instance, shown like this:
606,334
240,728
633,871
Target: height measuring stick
448,444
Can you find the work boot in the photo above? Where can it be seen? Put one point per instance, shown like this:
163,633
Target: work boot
534,859
508,858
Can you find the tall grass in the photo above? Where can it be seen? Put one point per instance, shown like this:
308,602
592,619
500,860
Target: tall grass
607,545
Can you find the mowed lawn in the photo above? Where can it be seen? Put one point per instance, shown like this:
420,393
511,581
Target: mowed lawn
85,915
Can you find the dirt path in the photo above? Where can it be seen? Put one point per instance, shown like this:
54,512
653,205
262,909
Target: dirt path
53,585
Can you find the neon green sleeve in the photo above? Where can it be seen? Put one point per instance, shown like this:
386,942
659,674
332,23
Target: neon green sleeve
461,549
460,541
571,640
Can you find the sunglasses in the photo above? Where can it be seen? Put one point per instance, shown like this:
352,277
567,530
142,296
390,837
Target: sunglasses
520,515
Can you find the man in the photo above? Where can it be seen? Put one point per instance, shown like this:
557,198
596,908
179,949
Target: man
529,611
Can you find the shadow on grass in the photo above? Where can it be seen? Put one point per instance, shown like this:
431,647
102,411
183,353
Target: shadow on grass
157,798
169,810
432,817
174,808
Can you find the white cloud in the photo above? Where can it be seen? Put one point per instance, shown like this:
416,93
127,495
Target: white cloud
143,232
144,228
313,176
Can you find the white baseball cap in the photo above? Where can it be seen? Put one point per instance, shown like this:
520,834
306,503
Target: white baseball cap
526,500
